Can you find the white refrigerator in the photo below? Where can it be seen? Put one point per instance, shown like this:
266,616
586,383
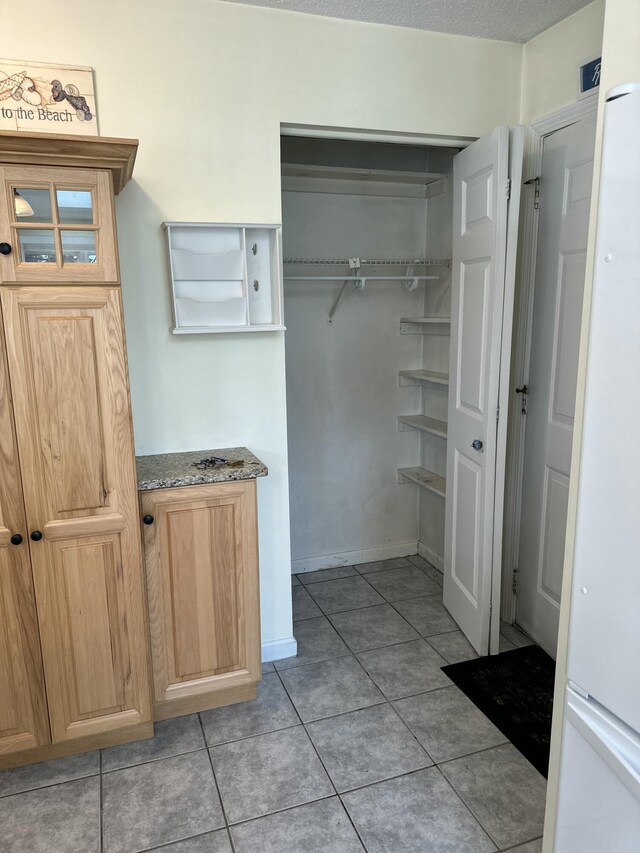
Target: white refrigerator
599,783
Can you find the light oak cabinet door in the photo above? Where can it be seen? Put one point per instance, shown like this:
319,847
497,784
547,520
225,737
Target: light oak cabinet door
59,224
68,374
201,557
24,720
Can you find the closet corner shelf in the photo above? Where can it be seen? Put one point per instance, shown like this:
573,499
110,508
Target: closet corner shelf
417,377
423,478
425,325
422,423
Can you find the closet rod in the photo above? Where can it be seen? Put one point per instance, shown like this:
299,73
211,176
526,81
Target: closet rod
389,262
362,278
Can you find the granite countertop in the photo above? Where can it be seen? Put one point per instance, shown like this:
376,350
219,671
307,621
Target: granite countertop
169,470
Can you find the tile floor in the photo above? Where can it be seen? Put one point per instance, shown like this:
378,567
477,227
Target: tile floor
359,743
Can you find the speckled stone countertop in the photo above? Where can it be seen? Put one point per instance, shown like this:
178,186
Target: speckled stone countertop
171,470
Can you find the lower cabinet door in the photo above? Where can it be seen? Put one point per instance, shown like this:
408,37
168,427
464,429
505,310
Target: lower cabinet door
90,609
201,558
24,722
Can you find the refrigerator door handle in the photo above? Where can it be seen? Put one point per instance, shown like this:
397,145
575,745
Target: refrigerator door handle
615,742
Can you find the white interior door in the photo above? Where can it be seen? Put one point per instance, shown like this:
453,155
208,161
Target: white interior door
563,225
481,321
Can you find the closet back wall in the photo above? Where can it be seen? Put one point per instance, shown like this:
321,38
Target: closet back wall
205,85
343,395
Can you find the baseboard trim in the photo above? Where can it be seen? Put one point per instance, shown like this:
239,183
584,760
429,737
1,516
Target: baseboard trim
350,558
279,649
431,557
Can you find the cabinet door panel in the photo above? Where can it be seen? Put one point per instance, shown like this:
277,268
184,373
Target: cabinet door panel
202,578
60,224
68,371
23,712
203,564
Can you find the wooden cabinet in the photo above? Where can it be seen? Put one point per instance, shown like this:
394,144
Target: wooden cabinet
69,381
59,224
73,632
24,722
201,557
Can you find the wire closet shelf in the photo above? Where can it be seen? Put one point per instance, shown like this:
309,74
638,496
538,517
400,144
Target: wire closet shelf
358,279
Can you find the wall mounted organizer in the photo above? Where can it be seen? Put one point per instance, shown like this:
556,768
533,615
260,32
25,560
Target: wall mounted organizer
225,278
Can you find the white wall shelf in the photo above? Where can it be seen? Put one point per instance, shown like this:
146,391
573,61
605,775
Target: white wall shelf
425,325
422,423
225,278
423,478
298,177
417,377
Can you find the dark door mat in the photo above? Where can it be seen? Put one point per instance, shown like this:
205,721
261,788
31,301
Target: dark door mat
515,691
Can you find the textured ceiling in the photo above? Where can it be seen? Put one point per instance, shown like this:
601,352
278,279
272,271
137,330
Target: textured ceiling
507,20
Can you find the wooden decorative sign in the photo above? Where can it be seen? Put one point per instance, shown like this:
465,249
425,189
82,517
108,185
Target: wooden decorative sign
47,98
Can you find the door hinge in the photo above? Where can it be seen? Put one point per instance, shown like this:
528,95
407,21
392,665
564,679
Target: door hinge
497,412
523,391
514,582
536,192
508,188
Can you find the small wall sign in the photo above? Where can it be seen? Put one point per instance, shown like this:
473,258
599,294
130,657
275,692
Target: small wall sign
589,76
47,98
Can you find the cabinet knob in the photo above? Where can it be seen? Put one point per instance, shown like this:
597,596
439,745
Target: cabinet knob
477,444
16,539
148,519
36,535
5,248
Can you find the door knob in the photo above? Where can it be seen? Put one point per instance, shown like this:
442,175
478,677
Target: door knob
5,248
148,519
477,445
16,539
36,535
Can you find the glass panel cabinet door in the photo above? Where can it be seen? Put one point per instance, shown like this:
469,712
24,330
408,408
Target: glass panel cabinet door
56,225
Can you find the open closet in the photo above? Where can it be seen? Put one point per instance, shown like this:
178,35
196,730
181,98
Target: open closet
367,283
399,293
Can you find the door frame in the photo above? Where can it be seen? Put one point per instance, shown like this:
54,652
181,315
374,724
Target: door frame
535,134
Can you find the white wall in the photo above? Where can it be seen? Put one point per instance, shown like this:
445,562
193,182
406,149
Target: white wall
551,61
343,395
205,85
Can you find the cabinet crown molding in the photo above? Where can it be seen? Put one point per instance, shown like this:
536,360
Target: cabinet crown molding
52,149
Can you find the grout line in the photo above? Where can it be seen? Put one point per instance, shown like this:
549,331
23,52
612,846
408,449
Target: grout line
410,730
519,844
386,779
324,767
355,828
352,609
257,734
424,636
293,704
101,802
355,574
506,742
44,787
231,841
402,643
281,810
213,772
182,840
346,654
468,808
154,759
